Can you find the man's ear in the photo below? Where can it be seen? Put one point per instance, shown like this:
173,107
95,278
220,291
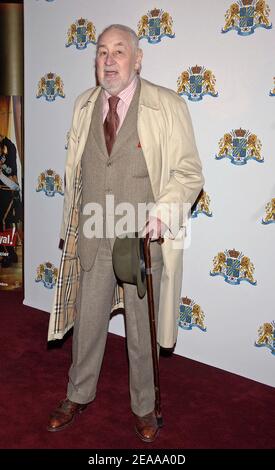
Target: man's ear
138,59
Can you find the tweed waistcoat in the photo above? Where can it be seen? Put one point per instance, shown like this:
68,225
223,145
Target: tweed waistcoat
111,181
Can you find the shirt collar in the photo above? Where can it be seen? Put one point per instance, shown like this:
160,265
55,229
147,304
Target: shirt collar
126,92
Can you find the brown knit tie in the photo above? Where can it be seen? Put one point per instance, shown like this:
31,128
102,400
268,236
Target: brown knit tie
111,123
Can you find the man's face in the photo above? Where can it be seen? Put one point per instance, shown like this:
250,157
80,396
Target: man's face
116,62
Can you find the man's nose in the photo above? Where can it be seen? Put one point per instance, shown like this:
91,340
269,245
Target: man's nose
109,60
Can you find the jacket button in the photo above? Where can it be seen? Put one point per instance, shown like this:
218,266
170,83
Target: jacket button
109,164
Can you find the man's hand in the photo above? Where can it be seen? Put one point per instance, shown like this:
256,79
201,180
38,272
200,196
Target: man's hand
155,227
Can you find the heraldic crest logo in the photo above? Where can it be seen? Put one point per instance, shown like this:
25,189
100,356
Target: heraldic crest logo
81,33
197,82
240,146
190,315
50,86
47,274
155,25
266,336
269,217
272,92
50,183
244,16
234,267
202,206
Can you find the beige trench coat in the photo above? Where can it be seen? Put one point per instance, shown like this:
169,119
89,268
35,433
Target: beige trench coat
167,139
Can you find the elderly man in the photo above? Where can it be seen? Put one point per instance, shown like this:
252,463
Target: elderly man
134,141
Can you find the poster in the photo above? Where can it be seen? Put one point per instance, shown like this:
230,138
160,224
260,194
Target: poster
11,214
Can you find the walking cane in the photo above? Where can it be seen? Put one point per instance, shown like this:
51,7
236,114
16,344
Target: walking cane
151,312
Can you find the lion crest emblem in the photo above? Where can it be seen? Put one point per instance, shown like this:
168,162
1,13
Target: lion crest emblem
47,274
50,86
202,206
234,267
81,33
155,25
244,16
266,336
240,146
269,217
197,82
50,183
190,315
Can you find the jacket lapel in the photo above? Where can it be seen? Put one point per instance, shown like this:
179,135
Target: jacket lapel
85,116
97,126
149,132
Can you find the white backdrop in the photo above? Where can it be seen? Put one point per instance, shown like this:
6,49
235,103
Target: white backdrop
244,67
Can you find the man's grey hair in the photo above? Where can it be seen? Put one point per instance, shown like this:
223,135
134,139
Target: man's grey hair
121,27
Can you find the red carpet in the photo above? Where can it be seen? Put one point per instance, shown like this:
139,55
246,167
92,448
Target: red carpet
203,407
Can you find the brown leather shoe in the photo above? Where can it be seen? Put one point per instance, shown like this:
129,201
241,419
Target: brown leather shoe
146,427
64,415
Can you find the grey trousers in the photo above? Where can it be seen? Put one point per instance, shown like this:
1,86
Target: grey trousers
91,327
